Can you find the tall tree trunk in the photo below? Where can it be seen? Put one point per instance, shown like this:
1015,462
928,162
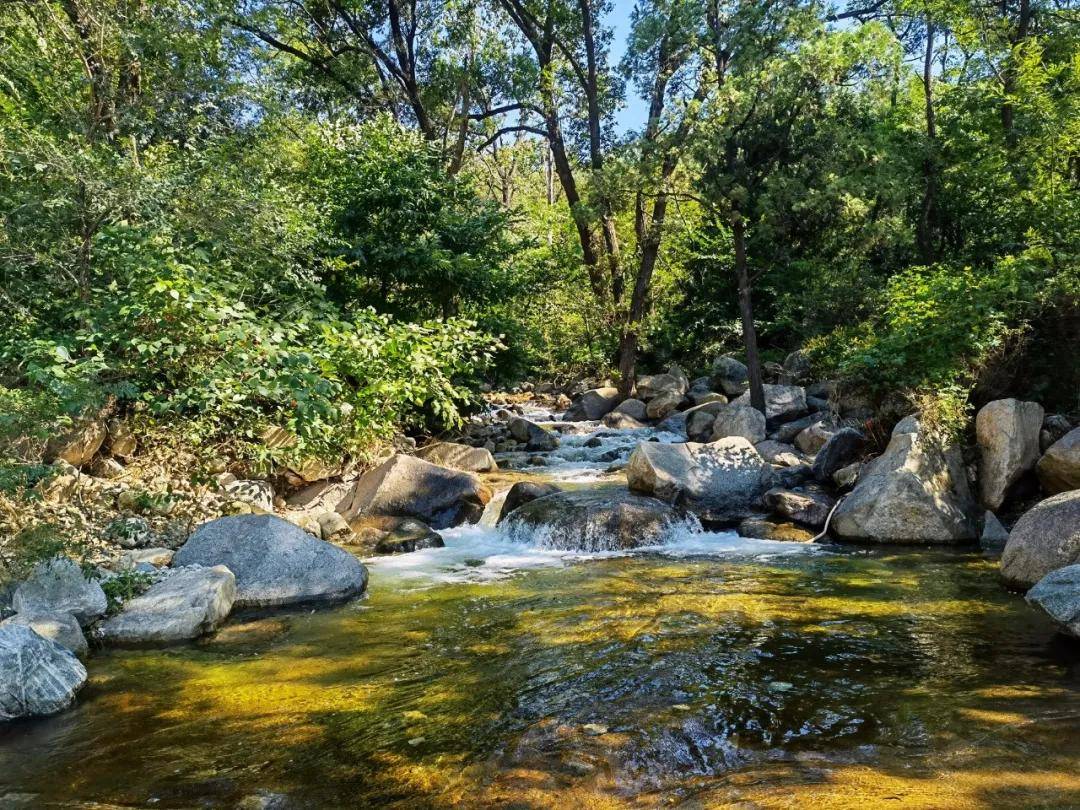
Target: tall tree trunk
746,310
924,230
1017,35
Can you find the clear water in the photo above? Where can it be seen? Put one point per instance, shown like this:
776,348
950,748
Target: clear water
711,672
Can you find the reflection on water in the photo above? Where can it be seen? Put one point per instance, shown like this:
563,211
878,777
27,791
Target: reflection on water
811,679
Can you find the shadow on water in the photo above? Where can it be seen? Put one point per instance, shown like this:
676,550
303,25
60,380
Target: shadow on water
907,678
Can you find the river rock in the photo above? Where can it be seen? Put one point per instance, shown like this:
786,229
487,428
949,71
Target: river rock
1059,468
914,492
521,493
634,408
332,527
595,520
1058,595
704,397
1045,538
807,507
663,404
622,421
535,437
1054,426
729,376
814,437
78,445
1007,433
274,562
847,477
761,529
699,426
778,453
739,420
787,432
407,486
725,479
842,448
782,402
459,456
653,385
62,628
994,536
60,586
37,675
394,535
791,477
186,604
593,405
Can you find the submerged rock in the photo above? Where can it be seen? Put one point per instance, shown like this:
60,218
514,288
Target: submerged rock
37,675
186,604
595,520
914,492
275,562
458,457
1007,432
406,486
59,627
1045,538
61,586
1058,595
724,479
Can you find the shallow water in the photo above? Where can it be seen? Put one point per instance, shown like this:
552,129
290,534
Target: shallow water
714,671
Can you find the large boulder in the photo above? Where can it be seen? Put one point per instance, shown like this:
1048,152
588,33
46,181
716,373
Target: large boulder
782,402
522,493
655,384
1045,538
37,675
458,457
594,520
699,426
729,376
739,420
841,449
663,404
622,421
813,438
407,486
61,586
809,507
186,604
914,492
1059,468
78,445
532,435
634,408
780,454
593,405
274,562
724,479
1058,595
1007,433
62,628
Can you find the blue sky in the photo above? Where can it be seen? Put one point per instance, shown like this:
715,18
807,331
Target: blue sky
634,113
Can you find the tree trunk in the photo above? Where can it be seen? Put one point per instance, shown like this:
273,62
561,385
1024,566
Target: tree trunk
924,230
746,309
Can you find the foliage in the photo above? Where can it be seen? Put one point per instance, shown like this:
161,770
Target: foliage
20,552
125,586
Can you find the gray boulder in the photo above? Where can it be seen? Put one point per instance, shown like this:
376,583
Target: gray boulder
699,426
703,397
994,536
37,675
1058,595
186,604
594,520
1054,426
729,376
655,384
1059,468
808,507
782,402
622,421
274,562
813,438
634,408
394,535
458,457
1045,538
724,479
739,420
787,432
59,627
1007,433
536,438
914,492
783,455
593,405
663,404
406,486
796,368
522,493
842,448
60,586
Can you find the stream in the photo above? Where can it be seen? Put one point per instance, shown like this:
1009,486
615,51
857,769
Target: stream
712,671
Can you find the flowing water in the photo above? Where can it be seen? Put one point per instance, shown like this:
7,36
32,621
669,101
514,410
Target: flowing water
711,672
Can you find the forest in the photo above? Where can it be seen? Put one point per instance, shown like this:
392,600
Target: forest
343,217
